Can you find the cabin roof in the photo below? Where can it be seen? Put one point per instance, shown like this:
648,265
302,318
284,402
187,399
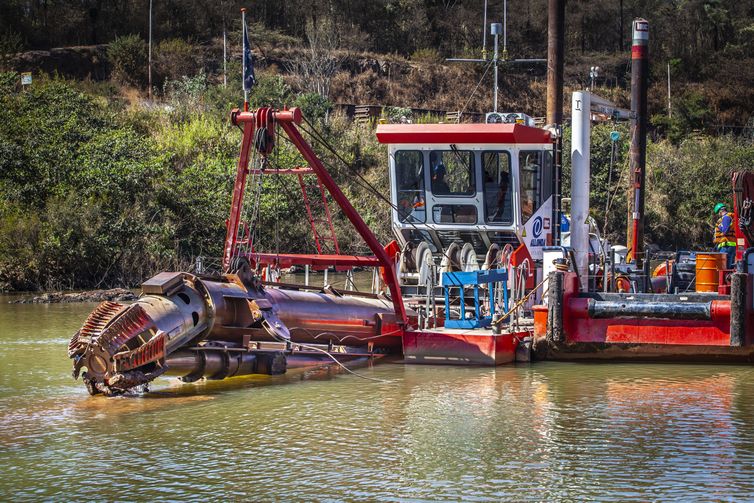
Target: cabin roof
460,134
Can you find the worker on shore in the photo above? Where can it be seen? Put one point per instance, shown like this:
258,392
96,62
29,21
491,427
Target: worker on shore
725,234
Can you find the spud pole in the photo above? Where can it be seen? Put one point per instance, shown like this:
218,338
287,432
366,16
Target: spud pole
638,151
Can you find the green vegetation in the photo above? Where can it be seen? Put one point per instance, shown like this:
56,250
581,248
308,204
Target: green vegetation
92,195
101,187
684,181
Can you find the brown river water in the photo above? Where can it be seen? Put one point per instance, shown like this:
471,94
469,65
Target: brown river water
541,432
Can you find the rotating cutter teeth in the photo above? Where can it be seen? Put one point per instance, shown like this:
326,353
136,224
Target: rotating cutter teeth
105,334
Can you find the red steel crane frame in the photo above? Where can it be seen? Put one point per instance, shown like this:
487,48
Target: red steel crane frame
268,118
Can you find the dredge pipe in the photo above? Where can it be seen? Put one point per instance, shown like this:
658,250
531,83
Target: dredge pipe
193,364
310,317
196,328
664,310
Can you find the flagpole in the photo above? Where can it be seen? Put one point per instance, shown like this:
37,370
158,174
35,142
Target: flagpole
243,75
225,49
149,67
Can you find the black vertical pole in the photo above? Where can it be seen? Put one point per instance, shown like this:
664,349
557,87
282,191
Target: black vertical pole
638,151
555,59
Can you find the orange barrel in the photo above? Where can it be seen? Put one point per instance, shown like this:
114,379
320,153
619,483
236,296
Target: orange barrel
708,266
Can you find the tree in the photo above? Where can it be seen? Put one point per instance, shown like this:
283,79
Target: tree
319,62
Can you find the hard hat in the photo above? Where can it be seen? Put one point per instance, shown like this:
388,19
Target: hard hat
718,207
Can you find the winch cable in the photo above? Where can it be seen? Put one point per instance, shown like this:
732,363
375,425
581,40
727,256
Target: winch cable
609,181
364,182
276,153
612,197
360,181
329,355
521,302
251,211
487,68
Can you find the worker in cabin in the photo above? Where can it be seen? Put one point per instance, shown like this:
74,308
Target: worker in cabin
439,185
725,234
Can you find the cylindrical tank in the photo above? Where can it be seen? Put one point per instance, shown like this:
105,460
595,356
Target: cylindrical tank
708,266
580,147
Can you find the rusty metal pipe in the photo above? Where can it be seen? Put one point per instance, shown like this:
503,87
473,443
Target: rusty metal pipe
310,317
216,363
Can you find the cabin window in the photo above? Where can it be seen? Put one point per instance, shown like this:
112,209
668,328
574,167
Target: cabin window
454,214
530,175
409,176
498,191
452,172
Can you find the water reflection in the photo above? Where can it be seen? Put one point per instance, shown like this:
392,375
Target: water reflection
548,431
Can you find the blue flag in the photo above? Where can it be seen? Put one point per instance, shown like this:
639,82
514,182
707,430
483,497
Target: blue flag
248,62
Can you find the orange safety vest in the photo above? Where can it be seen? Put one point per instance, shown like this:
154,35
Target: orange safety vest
729,237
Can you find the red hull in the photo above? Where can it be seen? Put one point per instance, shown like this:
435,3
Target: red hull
459,347
674,328
585,351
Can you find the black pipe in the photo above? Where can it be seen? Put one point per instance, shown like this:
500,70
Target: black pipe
744,263
555,60
555,307
664,310
646,283
193,364
738,287
638,150
557,186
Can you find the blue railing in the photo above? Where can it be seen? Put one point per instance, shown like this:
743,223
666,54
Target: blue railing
474,279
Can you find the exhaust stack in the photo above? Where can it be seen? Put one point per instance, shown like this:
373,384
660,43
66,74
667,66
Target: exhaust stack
581,127
638,152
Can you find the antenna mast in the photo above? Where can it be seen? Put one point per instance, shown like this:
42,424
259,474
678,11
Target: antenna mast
505,30
495,28
484,32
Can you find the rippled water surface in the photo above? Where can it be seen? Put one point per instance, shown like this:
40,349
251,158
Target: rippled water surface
545,431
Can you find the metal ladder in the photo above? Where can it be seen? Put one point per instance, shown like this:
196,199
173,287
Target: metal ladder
321,236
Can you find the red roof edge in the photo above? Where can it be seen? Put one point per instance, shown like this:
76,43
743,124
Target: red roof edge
460,134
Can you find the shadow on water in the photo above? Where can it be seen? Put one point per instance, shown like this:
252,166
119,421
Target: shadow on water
171,392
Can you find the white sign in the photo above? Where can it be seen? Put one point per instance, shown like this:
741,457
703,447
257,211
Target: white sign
26,79
537,232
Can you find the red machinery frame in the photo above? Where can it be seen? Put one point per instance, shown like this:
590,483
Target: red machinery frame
268,118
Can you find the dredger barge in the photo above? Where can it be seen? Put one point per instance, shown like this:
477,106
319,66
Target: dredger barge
481,271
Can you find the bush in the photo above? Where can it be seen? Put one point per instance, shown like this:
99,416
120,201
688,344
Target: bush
128,56
173,59
428,55
397,114
271,90
186,95
11,44
313,106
